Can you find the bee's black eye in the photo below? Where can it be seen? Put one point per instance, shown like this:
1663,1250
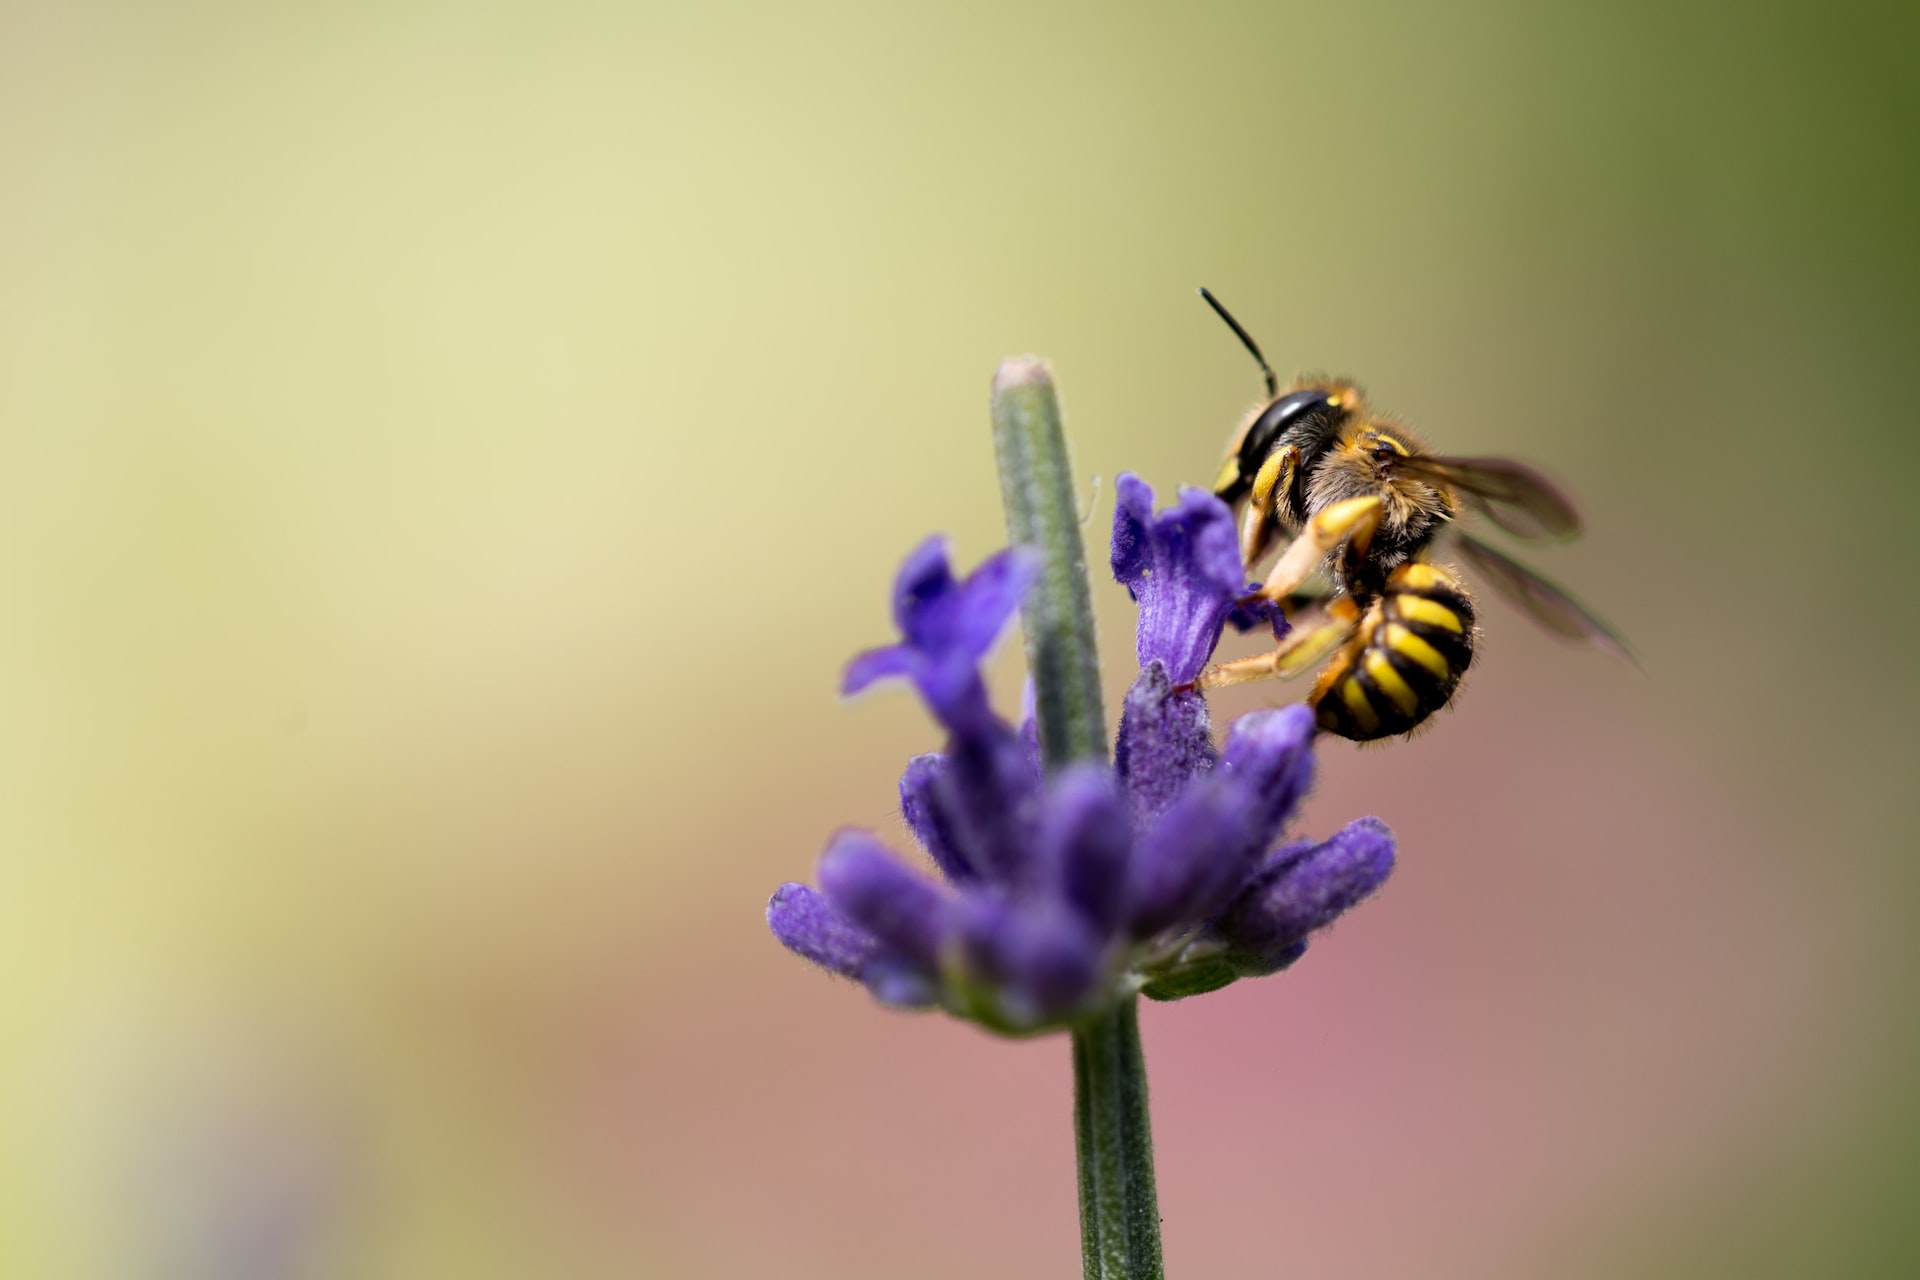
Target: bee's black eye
1289,411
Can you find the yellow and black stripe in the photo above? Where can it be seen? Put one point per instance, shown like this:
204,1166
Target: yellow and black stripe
1413,645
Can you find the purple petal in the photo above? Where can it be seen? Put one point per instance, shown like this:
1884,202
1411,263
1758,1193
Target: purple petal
930,817
947,627
900,984
876,664
1165,742
1030,725
948,682
1261,966
1254,610
1199,853
866,885
989,597
921,587
1304,887
940,616
1270,755
1192,859
1037,960
1086,838
986,798
1182,567
805,923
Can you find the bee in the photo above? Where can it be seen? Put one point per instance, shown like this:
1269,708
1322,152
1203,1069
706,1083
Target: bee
1360,496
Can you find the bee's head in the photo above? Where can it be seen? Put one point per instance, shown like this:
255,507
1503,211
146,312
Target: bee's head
1307,419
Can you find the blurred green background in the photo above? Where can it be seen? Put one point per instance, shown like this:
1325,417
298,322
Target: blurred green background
447,451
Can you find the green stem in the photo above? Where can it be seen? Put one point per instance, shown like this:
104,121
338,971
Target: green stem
1119,1209
1037,486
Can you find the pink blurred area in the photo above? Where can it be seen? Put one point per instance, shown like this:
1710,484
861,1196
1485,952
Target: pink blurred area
1546,1020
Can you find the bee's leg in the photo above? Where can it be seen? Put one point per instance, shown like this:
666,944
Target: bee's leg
1351,521
1303,598
1302,649
1257,525
1256,533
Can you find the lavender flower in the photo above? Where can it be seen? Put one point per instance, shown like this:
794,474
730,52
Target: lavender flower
1063,893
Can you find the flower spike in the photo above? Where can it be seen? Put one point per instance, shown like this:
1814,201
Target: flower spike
1061,895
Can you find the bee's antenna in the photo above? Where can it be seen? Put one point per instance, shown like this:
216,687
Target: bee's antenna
1273,385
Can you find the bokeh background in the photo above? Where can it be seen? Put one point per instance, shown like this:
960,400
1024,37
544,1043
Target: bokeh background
448,450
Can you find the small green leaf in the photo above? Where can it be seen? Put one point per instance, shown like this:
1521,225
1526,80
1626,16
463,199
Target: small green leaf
1190,980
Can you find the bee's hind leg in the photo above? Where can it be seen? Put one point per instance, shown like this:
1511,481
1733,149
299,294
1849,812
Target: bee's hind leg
1302,649
1351,521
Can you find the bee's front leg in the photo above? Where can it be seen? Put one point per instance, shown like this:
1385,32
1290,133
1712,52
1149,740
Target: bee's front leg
1257,526
1352,521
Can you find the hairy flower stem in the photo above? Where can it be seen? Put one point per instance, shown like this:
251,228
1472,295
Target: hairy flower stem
1119,1210
1037,487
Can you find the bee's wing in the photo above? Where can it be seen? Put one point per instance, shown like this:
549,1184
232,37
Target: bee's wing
1542,601
1518,499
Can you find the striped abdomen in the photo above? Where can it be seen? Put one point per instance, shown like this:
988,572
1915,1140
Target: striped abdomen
1414,643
